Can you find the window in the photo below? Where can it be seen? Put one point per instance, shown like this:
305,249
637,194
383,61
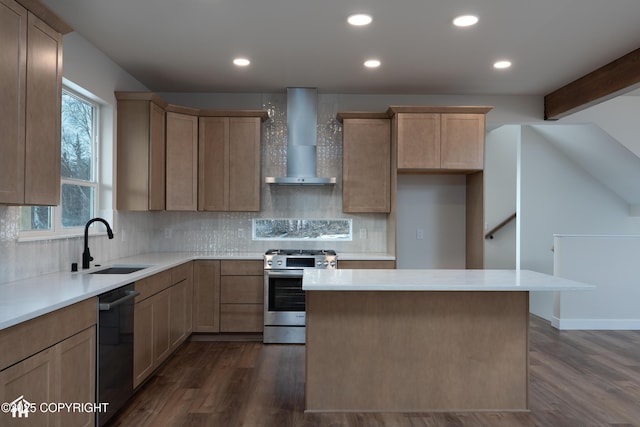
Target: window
78,170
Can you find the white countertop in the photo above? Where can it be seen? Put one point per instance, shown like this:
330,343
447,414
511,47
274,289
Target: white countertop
436,280
26,299
29,298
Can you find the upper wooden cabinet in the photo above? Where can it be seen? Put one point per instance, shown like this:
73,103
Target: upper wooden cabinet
439,138
182,159
31,87
140,179
366,164
229,161
166,161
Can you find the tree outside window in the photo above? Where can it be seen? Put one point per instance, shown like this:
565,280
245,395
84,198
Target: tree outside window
77,168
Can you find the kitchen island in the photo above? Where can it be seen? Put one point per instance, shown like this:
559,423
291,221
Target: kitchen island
420,340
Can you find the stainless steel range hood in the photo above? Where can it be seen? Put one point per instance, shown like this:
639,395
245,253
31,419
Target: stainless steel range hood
301,140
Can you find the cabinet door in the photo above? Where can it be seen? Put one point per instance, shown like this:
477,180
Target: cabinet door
43,101
76,377
213,170
141,155
161,326
142,341
366,168
418,140
206,296
244,164
179,301
33,378
229,164
462,141
157,167
182,162
13,66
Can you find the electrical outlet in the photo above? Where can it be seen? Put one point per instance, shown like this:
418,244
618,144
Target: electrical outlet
168,233
419,234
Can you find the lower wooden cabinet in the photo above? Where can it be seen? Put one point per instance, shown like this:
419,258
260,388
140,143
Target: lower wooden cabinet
364,264
206,296
241,296
50,359
162,318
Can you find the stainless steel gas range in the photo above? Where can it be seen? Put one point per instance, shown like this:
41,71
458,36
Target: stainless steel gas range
284,299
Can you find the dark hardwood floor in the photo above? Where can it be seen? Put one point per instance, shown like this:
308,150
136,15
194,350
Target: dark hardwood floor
577,379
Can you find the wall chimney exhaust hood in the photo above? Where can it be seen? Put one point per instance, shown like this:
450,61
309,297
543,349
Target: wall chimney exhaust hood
301,140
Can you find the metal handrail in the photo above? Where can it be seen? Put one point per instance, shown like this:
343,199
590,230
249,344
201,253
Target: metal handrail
491,232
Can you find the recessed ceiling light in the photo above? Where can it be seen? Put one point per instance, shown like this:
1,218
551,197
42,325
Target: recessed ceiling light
465,21
359,19
502,64
372,63
241,62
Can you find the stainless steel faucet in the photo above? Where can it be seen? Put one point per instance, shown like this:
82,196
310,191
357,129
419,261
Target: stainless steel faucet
86,255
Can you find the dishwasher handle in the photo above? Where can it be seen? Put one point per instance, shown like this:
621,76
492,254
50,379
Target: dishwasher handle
106,306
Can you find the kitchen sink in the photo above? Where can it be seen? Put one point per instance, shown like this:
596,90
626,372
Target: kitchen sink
119,269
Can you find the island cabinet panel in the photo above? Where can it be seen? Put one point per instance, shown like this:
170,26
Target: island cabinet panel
51,359
181,162
140,177
31,87
241,296
416,351
206,296
229,164
366,167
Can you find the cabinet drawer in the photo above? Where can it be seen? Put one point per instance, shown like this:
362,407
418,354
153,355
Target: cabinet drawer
180,273
241,289
356,264
25,339
241,317
153,284
241,268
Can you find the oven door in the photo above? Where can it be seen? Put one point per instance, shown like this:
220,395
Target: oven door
284,299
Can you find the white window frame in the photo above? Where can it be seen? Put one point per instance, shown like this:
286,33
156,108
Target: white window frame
57,231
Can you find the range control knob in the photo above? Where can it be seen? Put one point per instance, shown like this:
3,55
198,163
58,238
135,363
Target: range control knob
269,263
279,262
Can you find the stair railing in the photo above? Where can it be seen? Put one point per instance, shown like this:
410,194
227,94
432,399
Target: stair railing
506,221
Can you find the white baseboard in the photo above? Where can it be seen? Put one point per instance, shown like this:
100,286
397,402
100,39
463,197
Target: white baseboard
596,324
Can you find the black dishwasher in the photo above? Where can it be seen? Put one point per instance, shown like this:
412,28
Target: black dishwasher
115,350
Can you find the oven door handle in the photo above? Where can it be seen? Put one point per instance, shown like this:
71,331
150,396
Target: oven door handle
284,273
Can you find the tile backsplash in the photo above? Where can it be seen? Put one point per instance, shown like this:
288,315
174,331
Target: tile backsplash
222,232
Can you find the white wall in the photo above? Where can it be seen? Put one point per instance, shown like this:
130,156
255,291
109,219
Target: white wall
558,197
435,204
618,117
500,190
610,263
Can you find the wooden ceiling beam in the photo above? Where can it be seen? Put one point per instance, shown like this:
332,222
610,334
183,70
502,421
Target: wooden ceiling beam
609,81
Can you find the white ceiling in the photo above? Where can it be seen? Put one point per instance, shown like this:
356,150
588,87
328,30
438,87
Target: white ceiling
188,45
